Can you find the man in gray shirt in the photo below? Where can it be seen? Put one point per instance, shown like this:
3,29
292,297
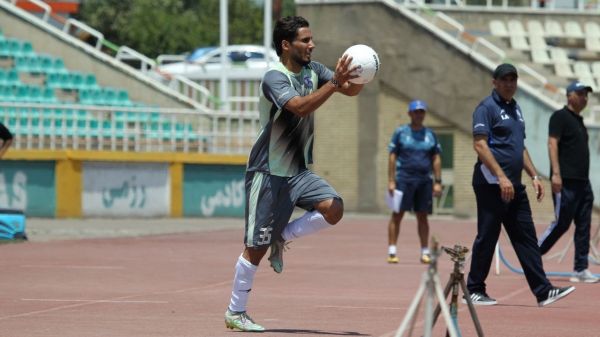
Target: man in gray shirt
277,176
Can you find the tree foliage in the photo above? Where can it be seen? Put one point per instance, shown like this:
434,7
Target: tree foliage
155,27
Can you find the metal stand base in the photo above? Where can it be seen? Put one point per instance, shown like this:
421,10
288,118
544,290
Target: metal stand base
431,289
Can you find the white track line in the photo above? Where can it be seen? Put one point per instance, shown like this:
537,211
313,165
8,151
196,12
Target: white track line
113,300
69,266
94,301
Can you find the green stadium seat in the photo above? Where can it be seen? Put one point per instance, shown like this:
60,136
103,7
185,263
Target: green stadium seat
26,49
4,49
85,97
90,81
53,80
76,81
58,66
48,96
12,77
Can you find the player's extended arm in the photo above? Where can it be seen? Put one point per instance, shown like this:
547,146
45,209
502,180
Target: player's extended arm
507,191
305,105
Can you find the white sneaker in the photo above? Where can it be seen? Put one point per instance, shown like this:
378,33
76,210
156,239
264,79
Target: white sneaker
584,276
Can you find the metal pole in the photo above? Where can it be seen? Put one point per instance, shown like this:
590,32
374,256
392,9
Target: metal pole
224,35
268,28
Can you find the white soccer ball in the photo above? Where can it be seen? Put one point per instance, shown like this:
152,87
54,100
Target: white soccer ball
367,60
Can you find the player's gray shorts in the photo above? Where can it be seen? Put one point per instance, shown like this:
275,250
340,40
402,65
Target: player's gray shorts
270,202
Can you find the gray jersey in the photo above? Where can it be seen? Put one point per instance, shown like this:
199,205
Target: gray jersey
284,144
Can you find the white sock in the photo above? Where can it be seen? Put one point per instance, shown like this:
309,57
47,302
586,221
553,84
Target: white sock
242,284
308,223
392,250
424,250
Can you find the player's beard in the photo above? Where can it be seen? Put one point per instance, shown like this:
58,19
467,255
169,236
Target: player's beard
301,61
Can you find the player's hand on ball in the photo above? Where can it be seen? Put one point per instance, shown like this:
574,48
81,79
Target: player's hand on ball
344,70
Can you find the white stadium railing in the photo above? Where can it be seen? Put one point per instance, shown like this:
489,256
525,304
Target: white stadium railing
138,129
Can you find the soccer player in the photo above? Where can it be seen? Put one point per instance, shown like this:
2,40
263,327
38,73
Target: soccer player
277,176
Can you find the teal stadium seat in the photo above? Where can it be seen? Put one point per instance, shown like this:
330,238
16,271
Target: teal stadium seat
25,49
12,77
58,66
48,95
53,80
89,81
4,50
9,77
123,98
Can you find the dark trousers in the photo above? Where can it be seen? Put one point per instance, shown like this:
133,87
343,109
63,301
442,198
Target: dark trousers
576,202
492,212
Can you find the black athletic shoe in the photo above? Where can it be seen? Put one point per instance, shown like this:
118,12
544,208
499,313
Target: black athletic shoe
554,295
481,299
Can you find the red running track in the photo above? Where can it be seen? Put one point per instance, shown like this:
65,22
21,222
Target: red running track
335,283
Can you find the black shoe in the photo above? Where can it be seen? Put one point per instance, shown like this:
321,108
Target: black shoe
480,299
555,294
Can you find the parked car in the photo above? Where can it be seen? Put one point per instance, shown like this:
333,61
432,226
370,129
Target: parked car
242,61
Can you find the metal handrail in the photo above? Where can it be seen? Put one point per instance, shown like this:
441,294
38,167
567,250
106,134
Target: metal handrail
80,25
126,53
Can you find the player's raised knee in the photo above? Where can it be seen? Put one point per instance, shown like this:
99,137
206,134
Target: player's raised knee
332,210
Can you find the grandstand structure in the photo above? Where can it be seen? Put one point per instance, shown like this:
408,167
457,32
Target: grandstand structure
58,92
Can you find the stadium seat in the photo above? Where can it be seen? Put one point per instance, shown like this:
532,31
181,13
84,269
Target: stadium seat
537,42
553,29
564,70
591,29
540,56
498,28
582,69
535,28
573,30
592,43
519,42
559,55
89,81
596,69
515,27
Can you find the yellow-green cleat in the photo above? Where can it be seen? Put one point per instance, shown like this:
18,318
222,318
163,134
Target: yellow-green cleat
241,321
392,259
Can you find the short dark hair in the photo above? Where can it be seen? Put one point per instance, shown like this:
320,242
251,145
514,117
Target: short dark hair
287,29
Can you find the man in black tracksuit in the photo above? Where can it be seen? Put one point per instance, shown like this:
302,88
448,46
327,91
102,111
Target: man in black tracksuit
499,140
571,188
